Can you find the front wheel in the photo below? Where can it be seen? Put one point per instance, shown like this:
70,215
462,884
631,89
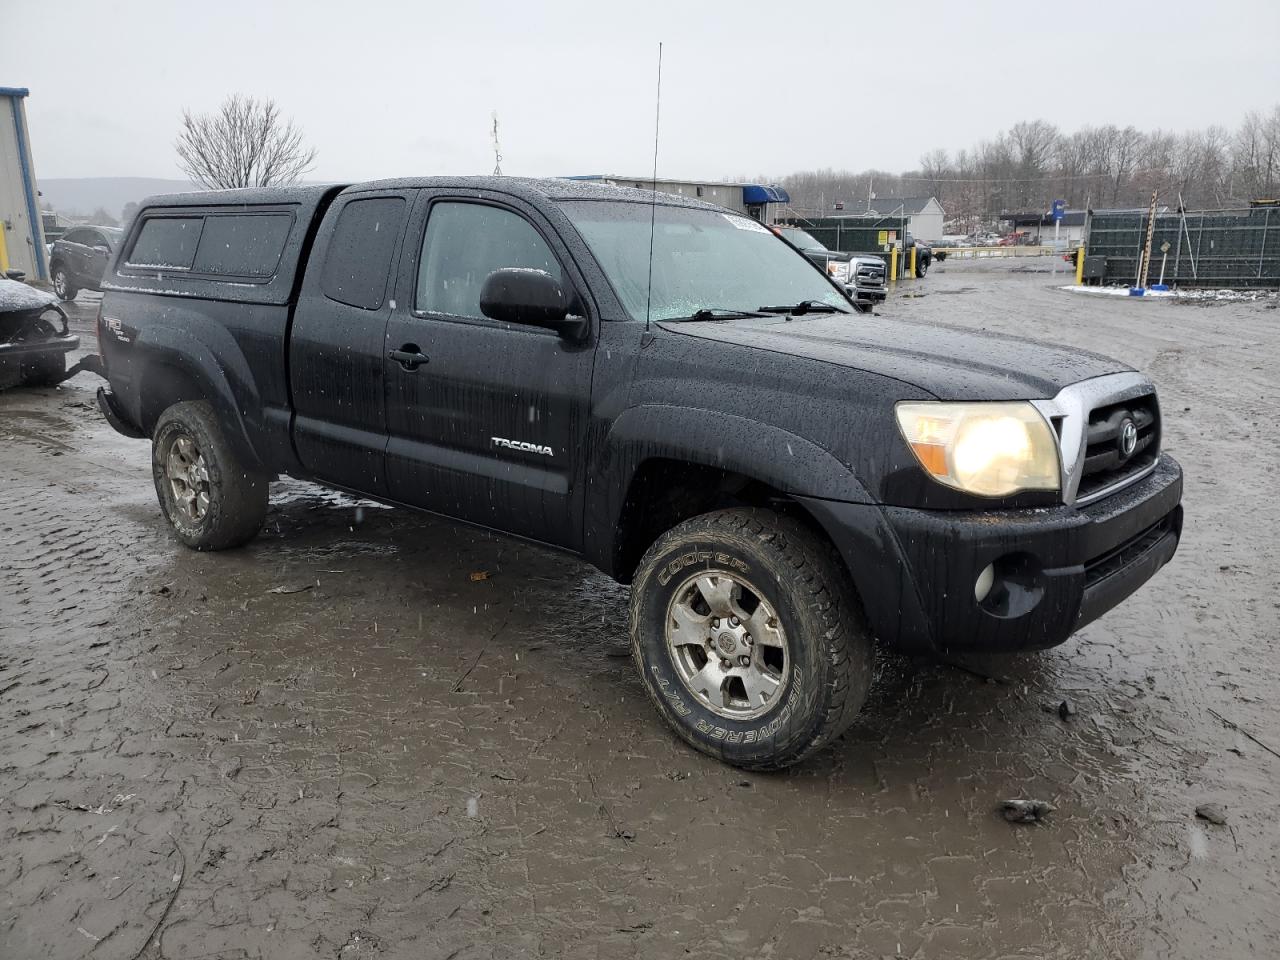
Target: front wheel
749,638
922,267
210,498
62,285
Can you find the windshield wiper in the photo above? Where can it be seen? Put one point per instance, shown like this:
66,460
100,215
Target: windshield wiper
803,307
721,313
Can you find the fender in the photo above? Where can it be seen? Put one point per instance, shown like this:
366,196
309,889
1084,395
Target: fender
758,450
215,364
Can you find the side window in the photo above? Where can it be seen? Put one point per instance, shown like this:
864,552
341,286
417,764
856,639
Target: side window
166,242
242,245
464,243
95,239
358,262
74,236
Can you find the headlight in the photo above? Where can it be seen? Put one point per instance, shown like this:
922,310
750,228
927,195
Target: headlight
988,449
838,270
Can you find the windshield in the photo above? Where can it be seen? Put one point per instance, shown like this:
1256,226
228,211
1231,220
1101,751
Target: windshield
702,259
801,239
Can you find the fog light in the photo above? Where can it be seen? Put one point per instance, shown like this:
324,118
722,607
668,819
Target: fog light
985,579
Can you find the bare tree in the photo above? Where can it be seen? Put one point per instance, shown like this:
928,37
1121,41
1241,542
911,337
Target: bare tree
245,144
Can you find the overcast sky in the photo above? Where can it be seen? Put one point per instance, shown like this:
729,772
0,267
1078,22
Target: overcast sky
393,89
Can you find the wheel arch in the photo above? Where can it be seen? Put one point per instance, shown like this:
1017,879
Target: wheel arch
704,460
170,375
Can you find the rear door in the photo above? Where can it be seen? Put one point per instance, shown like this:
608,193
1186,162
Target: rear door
75,254
337,352
488,426
97,253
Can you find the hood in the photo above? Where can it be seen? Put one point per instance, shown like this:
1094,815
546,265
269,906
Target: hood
948,362
825,255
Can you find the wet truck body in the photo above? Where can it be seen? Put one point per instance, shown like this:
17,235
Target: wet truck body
780,478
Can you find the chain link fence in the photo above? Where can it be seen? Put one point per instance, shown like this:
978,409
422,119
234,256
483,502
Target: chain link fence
1211,248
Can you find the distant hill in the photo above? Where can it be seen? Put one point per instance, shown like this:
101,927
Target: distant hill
83,195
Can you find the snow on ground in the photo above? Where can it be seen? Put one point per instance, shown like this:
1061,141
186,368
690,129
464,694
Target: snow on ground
1231,295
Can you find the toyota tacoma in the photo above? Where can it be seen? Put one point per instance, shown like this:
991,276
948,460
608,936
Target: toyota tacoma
661,387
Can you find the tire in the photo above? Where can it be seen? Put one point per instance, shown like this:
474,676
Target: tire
227,501
922,267
781,581
63,288
44,369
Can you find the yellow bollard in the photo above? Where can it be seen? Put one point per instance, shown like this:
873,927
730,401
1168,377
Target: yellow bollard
4,251
893,264
912,272
1079,266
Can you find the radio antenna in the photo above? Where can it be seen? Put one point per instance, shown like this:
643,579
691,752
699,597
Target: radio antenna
497,148
653,197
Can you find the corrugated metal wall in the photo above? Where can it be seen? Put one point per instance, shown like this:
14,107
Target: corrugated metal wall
852,234
1212,248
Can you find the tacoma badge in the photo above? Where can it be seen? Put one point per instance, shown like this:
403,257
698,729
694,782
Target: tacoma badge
521,445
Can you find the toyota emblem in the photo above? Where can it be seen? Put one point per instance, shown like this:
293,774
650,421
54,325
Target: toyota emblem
1128,439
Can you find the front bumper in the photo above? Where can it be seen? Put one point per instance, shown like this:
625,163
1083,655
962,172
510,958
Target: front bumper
25,348
1056,569
874,294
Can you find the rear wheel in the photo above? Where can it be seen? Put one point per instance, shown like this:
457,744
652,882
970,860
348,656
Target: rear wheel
210,498
62,285
749,638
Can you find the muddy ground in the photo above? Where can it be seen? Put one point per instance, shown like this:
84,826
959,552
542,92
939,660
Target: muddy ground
337,743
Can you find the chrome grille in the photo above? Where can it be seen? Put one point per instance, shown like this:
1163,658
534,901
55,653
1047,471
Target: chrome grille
1106,463
1089,417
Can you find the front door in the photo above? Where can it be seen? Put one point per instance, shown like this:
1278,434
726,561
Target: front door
486,420
337,356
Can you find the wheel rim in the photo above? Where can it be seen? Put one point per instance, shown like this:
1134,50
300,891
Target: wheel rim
188,477
727,645
60,283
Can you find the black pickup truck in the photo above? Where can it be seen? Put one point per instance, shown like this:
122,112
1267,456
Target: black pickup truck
780,479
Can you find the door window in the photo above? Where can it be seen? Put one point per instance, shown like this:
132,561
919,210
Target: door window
464,243
359,257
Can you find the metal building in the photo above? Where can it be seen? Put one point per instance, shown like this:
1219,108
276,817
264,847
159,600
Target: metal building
760,201
22,234
1040,228
924,215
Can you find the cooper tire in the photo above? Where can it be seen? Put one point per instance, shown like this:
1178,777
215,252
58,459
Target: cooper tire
210,498
63,288
801,588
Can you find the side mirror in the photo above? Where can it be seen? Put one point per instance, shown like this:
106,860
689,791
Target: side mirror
533,298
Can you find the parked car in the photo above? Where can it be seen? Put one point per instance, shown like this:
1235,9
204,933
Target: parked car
34,337
863,275
924,254
662,387
79,257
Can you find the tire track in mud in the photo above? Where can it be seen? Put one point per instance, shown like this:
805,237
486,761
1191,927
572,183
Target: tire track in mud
1201,636
333,794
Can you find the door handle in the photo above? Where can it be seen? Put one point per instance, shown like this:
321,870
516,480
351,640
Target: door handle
408,356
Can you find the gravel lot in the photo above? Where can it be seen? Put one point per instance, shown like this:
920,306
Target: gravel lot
337,743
